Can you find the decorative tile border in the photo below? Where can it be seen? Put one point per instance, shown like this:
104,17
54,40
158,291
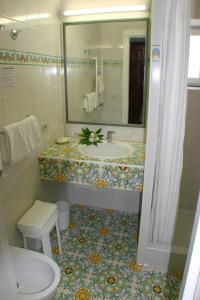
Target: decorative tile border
64,163
81,62
26,58
113,63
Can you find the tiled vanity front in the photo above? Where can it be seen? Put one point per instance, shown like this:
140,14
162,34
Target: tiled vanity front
64,163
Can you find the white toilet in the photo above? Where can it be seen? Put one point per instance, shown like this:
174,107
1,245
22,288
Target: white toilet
37,275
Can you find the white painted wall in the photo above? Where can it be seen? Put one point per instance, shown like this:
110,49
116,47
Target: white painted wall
122,200
120,133
190,288
191,163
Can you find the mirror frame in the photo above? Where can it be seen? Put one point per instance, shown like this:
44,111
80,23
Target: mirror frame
146,76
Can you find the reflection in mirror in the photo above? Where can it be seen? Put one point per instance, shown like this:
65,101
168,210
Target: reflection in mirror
105,68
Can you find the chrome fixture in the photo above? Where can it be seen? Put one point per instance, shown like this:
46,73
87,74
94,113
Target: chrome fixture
109,136
14,33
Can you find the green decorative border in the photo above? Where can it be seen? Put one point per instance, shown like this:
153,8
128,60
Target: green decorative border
26,58
87,62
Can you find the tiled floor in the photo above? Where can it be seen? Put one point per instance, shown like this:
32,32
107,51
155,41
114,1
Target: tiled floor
98,260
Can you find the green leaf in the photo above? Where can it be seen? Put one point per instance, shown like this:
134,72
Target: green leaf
82,142
99,130
87,130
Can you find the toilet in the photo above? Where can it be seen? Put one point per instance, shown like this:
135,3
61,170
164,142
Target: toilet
37,275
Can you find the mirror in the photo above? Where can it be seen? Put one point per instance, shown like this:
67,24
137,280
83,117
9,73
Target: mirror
105,72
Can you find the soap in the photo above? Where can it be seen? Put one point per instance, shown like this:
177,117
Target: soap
61,140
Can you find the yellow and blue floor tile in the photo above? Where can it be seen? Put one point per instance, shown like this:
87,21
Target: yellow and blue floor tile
99,260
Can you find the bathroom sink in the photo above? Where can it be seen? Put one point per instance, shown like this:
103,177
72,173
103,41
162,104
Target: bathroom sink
107,150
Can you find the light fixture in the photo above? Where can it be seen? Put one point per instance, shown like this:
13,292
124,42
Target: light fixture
101,10
23,18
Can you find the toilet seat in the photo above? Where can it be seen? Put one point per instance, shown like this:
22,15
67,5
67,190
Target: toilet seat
37,275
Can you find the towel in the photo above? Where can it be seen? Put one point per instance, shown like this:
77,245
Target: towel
89,102
21,138
33,217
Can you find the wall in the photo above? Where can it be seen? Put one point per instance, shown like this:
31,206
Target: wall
191,165
195,9
37,90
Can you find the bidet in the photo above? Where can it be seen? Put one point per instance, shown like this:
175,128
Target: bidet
37,275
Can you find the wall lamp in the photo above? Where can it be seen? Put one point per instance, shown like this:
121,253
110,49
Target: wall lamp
102,10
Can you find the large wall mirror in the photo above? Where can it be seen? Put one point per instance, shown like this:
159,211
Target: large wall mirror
106,72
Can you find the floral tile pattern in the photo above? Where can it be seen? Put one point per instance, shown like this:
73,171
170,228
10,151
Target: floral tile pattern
99,260
64,163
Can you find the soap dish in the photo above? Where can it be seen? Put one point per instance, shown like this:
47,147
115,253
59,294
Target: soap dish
61,140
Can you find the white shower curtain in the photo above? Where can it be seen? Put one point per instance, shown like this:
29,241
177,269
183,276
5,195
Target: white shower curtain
171,124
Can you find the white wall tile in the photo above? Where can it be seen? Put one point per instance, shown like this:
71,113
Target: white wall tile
6,8
11,108
37,91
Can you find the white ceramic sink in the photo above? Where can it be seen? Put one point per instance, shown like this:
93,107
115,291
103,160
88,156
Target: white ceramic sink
107,150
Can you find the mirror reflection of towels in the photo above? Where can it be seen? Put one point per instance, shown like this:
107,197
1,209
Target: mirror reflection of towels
89,102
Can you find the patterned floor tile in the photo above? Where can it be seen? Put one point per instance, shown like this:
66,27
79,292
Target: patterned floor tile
99,260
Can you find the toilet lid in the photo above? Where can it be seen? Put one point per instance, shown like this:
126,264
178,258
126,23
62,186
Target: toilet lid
32,275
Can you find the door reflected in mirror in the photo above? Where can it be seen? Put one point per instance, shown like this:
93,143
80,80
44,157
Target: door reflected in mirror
106,72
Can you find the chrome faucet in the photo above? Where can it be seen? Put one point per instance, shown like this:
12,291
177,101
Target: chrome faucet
109,136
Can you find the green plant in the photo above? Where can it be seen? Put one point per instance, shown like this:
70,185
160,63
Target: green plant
89,137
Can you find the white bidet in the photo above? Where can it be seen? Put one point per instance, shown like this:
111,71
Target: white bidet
37,275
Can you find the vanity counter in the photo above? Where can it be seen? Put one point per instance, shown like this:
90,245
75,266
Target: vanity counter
65,163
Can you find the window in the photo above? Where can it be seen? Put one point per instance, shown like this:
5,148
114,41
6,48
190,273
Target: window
194,57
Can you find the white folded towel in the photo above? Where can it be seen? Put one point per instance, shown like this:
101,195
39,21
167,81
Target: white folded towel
21,138
33,132
33,217
89,102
